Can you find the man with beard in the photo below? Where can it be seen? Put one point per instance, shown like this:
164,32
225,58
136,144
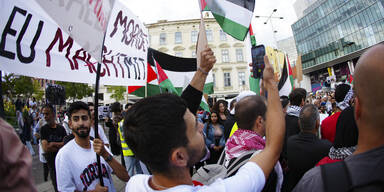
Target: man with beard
164,133
76,163
52,136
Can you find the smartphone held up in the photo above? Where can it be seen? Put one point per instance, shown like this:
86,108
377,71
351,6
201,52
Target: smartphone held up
258,64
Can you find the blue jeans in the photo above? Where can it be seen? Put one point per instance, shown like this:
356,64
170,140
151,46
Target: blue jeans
29,146
132,165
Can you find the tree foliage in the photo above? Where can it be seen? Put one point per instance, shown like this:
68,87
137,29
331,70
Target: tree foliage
76,91
8,85
25,86
117,92
39,92
14,85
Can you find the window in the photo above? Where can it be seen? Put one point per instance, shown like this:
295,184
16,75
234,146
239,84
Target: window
178,38
241,78
209,35
227,79
163,38
239,55
223,36
225,55
193,54
178,54
214,79
194,36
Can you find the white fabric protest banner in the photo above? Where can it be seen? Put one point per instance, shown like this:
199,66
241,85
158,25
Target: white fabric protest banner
85,21
33,45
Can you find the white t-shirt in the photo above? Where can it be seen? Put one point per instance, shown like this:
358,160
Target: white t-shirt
250,178
101,134
322,117
76,169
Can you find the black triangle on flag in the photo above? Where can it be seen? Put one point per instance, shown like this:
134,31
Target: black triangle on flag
284,75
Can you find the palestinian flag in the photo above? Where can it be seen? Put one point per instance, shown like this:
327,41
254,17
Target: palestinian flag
285,85
164,82
290,73
203,5
234,16
254,84
204,104
178,70
253,38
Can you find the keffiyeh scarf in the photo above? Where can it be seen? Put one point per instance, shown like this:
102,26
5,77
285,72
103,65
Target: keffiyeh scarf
341,153
345,103
243,140
294,110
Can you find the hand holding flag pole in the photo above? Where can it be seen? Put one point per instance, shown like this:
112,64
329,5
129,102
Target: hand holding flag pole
96,123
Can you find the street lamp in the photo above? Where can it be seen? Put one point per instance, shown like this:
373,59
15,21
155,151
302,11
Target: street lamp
269,19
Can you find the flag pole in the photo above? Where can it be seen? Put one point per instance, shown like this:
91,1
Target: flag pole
2,114
96,117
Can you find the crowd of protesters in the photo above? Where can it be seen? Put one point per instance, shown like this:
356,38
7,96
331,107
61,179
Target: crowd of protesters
324,141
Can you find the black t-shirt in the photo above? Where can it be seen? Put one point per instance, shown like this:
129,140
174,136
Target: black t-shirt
52,135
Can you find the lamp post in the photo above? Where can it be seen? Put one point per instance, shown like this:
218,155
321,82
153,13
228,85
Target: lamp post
269,20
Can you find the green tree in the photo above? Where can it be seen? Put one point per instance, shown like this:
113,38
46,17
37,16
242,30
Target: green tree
25,86
117,92
39,92
75,91
8,85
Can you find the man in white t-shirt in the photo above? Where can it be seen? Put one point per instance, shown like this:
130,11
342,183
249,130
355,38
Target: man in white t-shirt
165,135
76,165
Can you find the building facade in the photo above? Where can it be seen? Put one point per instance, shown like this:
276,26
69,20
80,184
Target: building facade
300,5
334,33
178,38
288,46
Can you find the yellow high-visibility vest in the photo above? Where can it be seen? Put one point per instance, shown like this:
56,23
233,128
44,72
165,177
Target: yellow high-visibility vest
126,151
234,128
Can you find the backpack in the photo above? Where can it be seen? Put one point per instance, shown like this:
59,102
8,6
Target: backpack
336,177
207,174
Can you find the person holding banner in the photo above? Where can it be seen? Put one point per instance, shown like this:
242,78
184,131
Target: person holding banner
76,163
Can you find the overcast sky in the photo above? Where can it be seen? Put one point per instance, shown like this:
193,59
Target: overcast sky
150,11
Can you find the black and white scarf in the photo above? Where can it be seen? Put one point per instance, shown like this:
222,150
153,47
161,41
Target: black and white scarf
294,110
345,103
341,153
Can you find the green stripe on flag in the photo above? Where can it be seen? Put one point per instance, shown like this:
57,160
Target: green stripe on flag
234,29
292,81
254,85
206,8
167,84
253,40
152,90
204,104
208,88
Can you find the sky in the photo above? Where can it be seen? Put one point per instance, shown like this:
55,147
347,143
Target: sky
150,11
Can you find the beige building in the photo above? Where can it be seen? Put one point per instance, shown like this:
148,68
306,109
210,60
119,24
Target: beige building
178,38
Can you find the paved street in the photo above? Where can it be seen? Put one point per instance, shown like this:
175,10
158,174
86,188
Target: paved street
42,186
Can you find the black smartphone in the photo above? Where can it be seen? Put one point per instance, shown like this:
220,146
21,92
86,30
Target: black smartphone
258,64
